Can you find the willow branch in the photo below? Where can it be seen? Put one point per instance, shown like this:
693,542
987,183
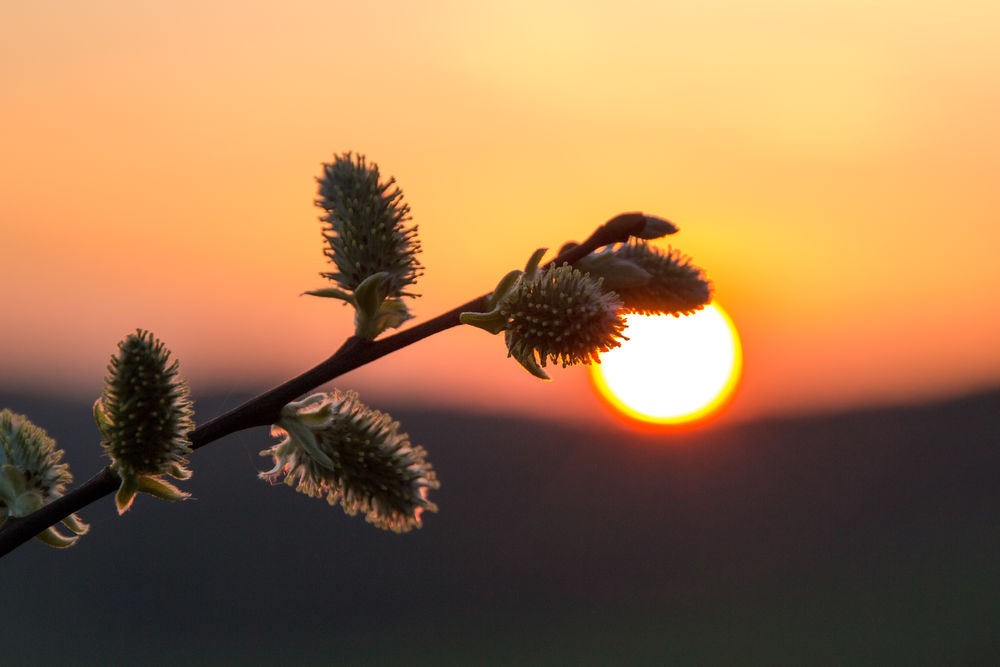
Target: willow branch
265,409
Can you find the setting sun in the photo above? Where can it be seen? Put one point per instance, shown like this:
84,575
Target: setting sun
672,369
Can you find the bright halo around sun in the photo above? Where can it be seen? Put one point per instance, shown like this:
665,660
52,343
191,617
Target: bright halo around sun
672,369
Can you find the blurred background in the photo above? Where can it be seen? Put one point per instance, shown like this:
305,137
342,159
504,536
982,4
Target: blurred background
832,165
865,538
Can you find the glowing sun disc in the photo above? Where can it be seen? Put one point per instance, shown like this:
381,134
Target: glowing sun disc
672,369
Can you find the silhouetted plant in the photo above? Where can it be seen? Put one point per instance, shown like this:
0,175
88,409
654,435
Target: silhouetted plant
565,310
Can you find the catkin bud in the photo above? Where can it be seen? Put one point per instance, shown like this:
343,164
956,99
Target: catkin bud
337,447
561,315
369,243
145,415
32,475
674,286
366,231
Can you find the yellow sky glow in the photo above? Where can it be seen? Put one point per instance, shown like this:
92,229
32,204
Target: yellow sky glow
832,165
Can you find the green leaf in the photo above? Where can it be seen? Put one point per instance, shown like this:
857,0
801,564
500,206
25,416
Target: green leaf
372,291
26,503
493,322
74,523
530,364
306,440
655,228
101,417
534,260
155,485
12,483
503,288
178,471
391,315
54,538
617,273
332,293
126,495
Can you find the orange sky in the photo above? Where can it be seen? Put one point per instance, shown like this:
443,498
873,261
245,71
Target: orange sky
834,166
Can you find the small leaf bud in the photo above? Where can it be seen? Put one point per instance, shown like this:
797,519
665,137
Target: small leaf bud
656,227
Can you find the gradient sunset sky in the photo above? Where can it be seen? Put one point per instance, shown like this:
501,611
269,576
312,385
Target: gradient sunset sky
834,166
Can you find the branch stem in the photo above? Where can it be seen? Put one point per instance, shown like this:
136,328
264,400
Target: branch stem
265,409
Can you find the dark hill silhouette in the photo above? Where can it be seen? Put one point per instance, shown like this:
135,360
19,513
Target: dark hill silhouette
869,537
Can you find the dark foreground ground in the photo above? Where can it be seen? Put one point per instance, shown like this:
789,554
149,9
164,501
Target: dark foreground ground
868,538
